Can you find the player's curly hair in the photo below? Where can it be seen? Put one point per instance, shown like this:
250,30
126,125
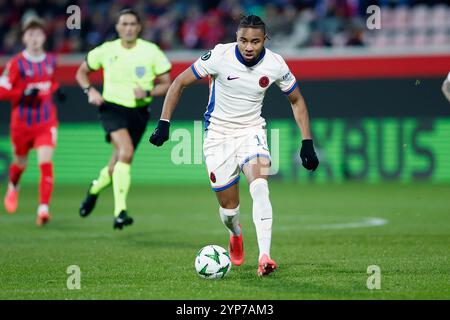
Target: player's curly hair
252,21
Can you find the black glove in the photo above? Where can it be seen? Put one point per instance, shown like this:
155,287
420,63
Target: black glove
31,92
61,95
160,134
308,155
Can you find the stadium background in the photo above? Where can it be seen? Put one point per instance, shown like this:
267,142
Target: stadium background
381,126
374,95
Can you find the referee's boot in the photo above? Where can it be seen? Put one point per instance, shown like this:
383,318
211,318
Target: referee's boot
88,203
122,220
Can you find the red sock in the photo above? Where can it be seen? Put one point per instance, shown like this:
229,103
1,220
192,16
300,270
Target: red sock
46,183
14,173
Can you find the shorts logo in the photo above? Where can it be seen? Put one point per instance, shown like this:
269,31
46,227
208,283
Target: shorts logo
212,177
264,81
140,71
206,56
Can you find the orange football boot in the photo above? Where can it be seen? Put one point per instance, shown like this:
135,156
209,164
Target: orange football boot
266,266
42,218
11,199
236,249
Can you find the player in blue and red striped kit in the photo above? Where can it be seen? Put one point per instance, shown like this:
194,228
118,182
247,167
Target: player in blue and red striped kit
28,83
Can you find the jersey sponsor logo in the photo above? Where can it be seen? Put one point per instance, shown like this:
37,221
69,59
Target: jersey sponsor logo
41,85
264,81
232,78
206,56
212,177
140,71
287,76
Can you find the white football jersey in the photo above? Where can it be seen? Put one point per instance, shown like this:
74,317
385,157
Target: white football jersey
236,92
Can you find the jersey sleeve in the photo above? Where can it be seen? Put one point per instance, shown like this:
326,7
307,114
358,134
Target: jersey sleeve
94,58
161,63
9,76
286,80
207,63
8,82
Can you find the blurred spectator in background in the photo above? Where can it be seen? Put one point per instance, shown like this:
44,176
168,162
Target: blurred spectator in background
199,24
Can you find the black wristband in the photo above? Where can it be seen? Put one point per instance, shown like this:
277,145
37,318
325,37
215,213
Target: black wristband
148,93
86,89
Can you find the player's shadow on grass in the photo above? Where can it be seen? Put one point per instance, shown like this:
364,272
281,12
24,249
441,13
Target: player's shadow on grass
153,240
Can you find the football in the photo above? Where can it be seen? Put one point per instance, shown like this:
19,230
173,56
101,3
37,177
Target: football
212,262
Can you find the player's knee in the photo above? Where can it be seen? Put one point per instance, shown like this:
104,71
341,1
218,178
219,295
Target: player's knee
259,188
126,154
21,162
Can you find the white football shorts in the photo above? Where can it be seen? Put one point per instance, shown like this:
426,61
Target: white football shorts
226,155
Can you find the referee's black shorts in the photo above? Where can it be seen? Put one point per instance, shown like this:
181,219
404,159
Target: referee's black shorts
114,117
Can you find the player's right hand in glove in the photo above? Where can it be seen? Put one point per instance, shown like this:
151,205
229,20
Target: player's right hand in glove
160,134
308,155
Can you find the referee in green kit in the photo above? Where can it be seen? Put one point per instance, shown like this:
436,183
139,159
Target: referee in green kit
130,68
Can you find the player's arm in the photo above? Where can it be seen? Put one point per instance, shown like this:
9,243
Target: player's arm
82,77
300,110
446,88
161,133
9,88
162,85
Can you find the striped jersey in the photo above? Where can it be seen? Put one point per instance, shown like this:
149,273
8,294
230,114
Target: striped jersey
236,90
24,72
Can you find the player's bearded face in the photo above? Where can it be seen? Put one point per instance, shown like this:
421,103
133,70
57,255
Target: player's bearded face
34,39
250,42
128,27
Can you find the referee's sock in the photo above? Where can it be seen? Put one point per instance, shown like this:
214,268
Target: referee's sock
121,184
103,181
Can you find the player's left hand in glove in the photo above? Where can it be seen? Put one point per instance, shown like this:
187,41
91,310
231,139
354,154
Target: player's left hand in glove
160,134
61,95
308,155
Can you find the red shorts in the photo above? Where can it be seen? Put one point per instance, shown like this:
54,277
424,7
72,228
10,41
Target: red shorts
25,139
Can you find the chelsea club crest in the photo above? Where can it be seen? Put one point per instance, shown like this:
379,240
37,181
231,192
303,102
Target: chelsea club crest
140,71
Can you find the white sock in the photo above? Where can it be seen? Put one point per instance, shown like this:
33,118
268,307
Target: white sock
42,208
230,218
262,214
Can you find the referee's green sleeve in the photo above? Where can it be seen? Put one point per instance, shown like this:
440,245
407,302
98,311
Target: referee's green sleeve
94,58
160,63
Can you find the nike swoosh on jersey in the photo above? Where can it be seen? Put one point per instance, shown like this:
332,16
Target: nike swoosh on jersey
232,78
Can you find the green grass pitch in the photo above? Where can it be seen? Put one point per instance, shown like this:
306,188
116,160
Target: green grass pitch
324,239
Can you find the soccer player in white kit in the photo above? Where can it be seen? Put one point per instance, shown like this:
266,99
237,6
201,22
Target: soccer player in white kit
235,139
